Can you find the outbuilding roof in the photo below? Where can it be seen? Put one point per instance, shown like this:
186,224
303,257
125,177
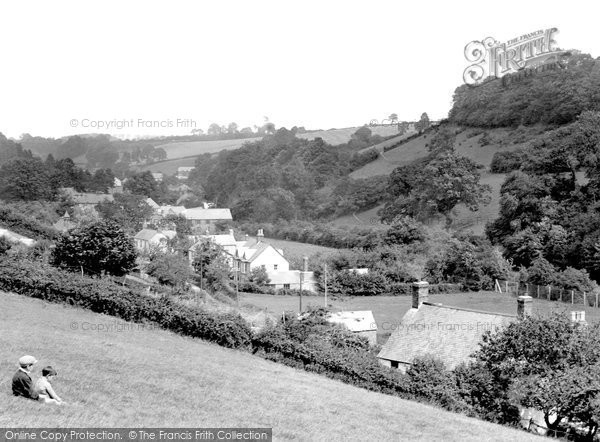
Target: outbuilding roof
199,213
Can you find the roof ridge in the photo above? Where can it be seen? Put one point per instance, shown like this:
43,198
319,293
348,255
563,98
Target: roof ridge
469,310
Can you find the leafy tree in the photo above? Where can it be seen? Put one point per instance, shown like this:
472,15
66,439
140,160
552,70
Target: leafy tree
127,210
99,247
142,183
423,124
393,118
405,230
547,363
214,129
434,186
26,179
169,269
210,263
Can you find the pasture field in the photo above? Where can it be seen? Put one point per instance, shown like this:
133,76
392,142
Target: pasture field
131,377
388,310
343,135
169,167
294,251
192,148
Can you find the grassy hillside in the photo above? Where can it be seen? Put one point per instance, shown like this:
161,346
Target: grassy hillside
341,136
169,167
294,251
153,378
189,148
468,143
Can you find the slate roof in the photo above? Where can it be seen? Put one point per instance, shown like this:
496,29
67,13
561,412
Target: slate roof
449,333
200,213
91,198
146,234
358,321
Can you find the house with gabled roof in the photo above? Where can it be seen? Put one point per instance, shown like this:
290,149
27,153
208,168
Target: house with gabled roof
201,219
147,238
451,334
249,254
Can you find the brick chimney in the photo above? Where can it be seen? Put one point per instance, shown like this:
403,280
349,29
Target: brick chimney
420,293
260,234
305,264
524,306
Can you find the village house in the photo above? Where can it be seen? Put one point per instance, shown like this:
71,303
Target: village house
145,239
183,172
451,334
202,220
85,200
249,254
158,176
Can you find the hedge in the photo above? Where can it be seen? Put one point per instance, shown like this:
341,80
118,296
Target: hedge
42,281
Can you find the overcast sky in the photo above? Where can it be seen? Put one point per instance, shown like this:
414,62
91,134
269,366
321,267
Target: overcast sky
318,64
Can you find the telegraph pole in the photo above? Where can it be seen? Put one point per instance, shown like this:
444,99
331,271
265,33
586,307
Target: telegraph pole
301,278
325,268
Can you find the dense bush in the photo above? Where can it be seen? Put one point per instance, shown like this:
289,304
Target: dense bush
505,162
354,284
104,296
315,345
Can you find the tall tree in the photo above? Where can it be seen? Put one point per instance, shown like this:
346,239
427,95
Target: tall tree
98,247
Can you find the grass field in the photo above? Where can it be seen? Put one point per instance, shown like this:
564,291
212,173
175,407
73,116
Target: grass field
169,167
341,136
294,251
152,378
388,310
466,145
189,148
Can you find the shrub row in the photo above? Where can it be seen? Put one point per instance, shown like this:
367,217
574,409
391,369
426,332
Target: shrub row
104,296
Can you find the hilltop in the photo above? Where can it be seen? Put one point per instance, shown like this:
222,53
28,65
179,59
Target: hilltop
110,377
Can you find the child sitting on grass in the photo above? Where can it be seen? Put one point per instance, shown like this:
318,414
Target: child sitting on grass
44,388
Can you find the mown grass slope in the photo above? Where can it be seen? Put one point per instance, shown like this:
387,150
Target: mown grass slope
154,378
343,135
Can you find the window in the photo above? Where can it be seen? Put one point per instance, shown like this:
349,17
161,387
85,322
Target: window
274,266
394,364
286,286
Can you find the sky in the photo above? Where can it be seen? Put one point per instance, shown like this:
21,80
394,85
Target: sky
167,67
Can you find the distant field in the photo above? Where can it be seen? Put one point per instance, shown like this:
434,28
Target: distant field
130,377
361,219
388,310
341,136
169,167
188,148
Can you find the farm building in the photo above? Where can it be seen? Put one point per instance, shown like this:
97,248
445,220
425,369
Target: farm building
360,322
451,334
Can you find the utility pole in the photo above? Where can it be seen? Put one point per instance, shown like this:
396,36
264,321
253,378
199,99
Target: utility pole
237,286
325,271
301,278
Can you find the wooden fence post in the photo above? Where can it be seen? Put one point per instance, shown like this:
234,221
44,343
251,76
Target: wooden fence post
526,288
538,292
596,304
572,298
506,286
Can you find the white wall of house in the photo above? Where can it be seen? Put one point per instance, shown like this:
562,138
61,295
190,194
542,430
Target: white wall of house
272,260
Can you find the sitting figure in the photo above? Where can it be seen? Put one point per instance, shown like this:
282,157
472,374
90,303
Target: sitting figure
44,389
21,381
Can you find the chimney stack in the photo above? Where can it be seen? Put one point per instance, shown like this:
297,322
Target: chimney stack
231,232
420,293
305,264
260,233
524,306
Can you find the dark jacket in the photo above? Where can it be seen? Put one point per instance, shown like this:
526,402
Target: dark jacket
23,386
